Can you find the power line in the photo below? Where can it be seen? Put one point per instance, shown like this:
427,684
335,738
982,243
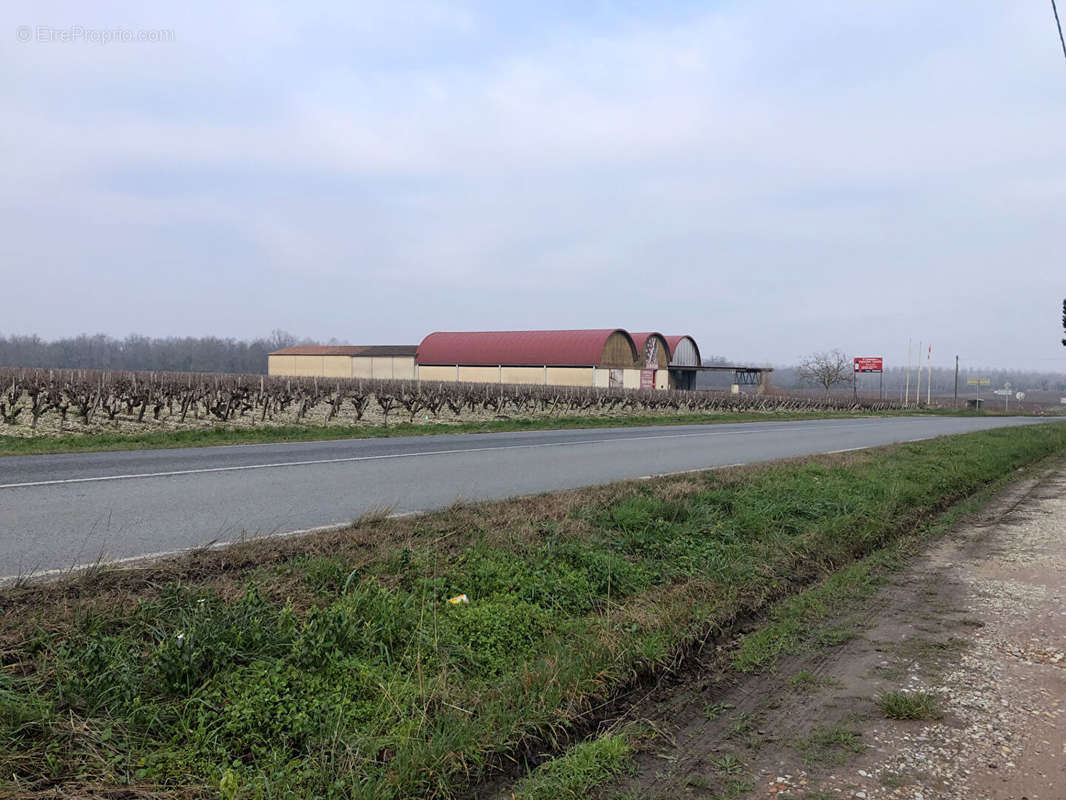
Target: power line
1058,25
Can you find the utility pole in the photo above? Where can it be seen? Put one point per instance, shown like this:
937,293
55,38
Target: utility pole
956,381
929,376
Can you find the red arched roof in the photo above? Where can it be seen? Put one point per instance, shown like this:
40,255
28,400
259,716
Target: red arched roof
518,348
673,340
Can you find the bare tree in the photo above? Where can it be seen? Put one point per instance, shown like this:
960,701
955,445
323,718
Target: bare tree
826,370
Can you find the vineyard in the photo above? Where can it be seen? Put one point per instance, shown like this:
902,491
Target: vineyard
36,402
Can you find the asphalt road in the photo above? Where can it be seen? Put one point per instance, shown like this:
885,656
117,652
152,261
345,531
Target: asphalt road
59,511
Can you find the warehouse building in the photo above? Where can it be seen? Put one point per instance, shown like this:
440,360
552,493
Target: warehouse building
610,357
654,358
685,361
607,357
345,361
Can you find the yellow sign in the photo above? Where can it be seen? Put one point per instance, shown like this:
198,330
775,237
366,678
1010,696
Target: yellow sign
978,381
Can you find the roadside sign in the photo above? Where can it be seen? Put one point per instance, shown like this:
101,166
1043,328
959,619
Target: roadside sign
1019,395
647,378
978,382
869,364
1004,392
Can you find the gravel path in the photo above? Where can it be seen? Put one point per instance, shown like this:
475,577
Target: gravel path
979,621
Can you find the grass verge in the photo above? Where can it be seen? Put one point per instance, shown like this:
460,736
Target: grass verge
267,434
334,666
584,767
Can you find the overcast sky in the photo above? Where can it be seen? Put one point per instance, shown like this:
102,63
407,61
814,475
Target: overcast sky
774,178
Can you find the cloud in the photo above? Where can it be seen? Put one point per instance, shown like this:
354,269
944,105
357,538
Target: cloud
768,177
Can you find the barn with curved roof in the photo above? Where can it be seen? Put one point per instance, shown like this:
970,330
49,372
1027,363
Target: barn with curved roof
685,362
602,357
654,359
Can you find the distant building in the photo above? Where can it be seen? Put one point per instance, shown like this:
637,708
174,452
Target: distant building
606,357
344,361
609,357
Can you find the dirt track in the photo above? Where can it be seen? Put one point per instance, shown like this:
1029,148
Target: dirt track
979,621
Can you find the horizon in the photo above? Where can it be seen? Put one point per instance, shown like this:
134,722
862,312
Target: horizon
298,340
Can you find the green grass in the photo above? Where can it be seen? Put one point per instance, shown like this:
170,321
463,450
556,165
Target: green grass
909,705
821,616
830,745
583,767
348,674
267,434
715,710
796,623
728,764
735,788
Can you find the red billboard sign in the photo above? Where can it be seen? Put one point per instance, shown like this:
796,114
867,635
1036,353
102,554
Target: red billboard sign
869,364
647,379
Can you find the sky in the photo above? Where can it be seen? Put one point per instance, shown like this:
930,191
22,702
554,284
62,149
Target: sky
772,178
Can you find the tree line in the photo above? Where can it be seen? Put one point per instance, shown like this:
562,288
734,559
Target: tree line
135,352
249,357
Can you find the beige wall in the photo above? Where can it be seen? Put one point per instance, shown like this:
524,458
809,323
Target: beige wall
384,367
381,367
361,368
479,374
403,368
555,376
336,367
533,375
281,365
310,366
570,376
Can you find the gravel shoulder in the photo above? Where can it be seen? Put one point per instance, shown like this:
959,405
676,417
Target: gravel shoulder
977,623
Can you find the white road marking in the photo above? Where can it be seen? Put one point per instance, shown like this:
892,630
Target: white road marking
350,459
690,471
147,557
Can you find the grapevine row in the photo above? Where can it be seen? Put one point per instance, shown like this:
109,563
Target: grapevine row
88,396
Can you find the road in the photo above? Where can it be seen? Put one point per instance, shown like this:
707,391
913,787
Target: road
59,511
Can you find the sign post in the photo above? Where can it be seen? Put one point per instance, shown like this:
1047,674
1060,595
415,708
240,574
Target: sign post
978,383
1006,393
876,364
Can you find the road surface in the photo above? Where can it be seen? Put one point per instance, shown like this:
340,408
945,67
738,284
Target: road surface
60,511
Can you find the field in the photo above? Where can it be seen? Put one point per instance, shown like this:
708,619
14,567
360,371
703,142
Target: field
338,665
35,403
